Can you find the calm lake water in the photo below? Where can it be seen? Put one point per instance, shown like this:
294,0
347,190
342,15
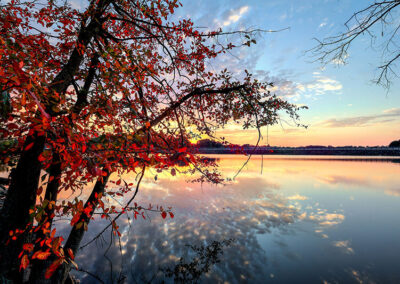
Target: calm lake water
294,220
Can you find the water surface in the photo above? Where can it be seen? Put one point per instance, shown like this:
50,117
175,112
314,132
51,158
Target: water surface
289,219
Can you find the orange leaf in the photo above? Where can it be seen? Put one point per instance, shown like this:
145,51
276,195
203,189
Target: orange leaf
23,99
24,262
71,254
53,267
41,255
53,232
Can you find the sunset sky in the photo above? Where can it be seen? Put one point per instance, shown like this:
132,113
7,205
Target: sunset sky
345,107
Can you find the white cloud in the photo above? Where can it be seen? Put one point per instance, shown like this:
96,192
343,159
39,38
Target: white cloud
324,84
234,16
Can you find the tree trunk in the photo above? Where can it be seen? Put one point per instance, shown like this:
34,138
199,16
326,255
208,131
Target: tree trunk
21,196
39,266
76,235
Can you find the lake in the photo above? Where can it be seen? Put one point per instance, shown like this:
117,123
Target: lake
283,219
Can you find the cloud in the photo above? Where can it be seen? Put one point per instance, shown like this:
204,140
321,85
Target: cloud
323,23
348,121
297,197
283,86
344,245
324,219
288,88
335,179
392,111
324,84
233,16
392,192
362,120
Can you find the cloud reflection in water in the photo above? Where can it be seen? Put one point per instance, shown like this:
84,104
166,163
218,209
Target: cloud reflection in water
279,220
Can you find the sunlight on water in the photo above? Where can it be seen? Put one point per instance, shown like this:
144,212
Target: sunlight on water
297,219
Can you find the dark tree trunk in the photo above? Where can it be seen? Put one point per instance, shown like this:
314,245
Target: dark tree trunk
21,196
53,185
39,266
76,235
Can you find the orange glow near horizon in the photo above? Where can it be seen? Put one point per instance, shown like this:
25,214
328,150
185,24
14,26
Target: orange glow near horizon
295,137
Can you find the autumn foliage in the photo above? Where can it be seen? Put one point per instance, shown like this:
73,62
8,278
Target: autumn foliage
114,87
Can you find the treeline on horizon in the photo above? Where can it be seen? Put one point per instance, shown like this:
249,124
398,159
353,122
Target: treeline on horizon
209,146
209,143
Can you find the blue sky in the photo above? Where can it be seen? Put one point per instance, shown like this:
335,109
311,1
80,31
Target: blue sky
345,106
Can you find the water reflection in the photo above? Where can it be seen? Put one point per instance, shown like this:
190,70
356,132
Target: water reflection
303,221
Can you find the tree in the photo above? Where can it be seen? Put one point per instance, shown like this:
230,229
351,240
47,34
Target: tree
114,87
379,20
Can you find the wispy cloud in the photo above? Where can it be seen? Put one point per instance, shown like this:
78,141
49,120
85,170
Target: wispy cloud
362,120
233,16
392,111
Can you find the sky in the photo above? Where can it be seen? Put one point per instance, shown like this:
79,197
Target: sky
345,106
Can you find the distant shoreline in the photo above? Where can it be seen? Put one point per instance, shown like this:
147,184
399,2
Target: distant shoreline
328,151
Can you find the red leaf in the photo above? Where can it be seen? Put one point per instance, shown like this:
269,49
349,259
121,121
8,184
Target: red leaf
41,255
75,219
118,182
24,262
53,267
182,150
29,146
28,247
164,214
41,158
171,214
